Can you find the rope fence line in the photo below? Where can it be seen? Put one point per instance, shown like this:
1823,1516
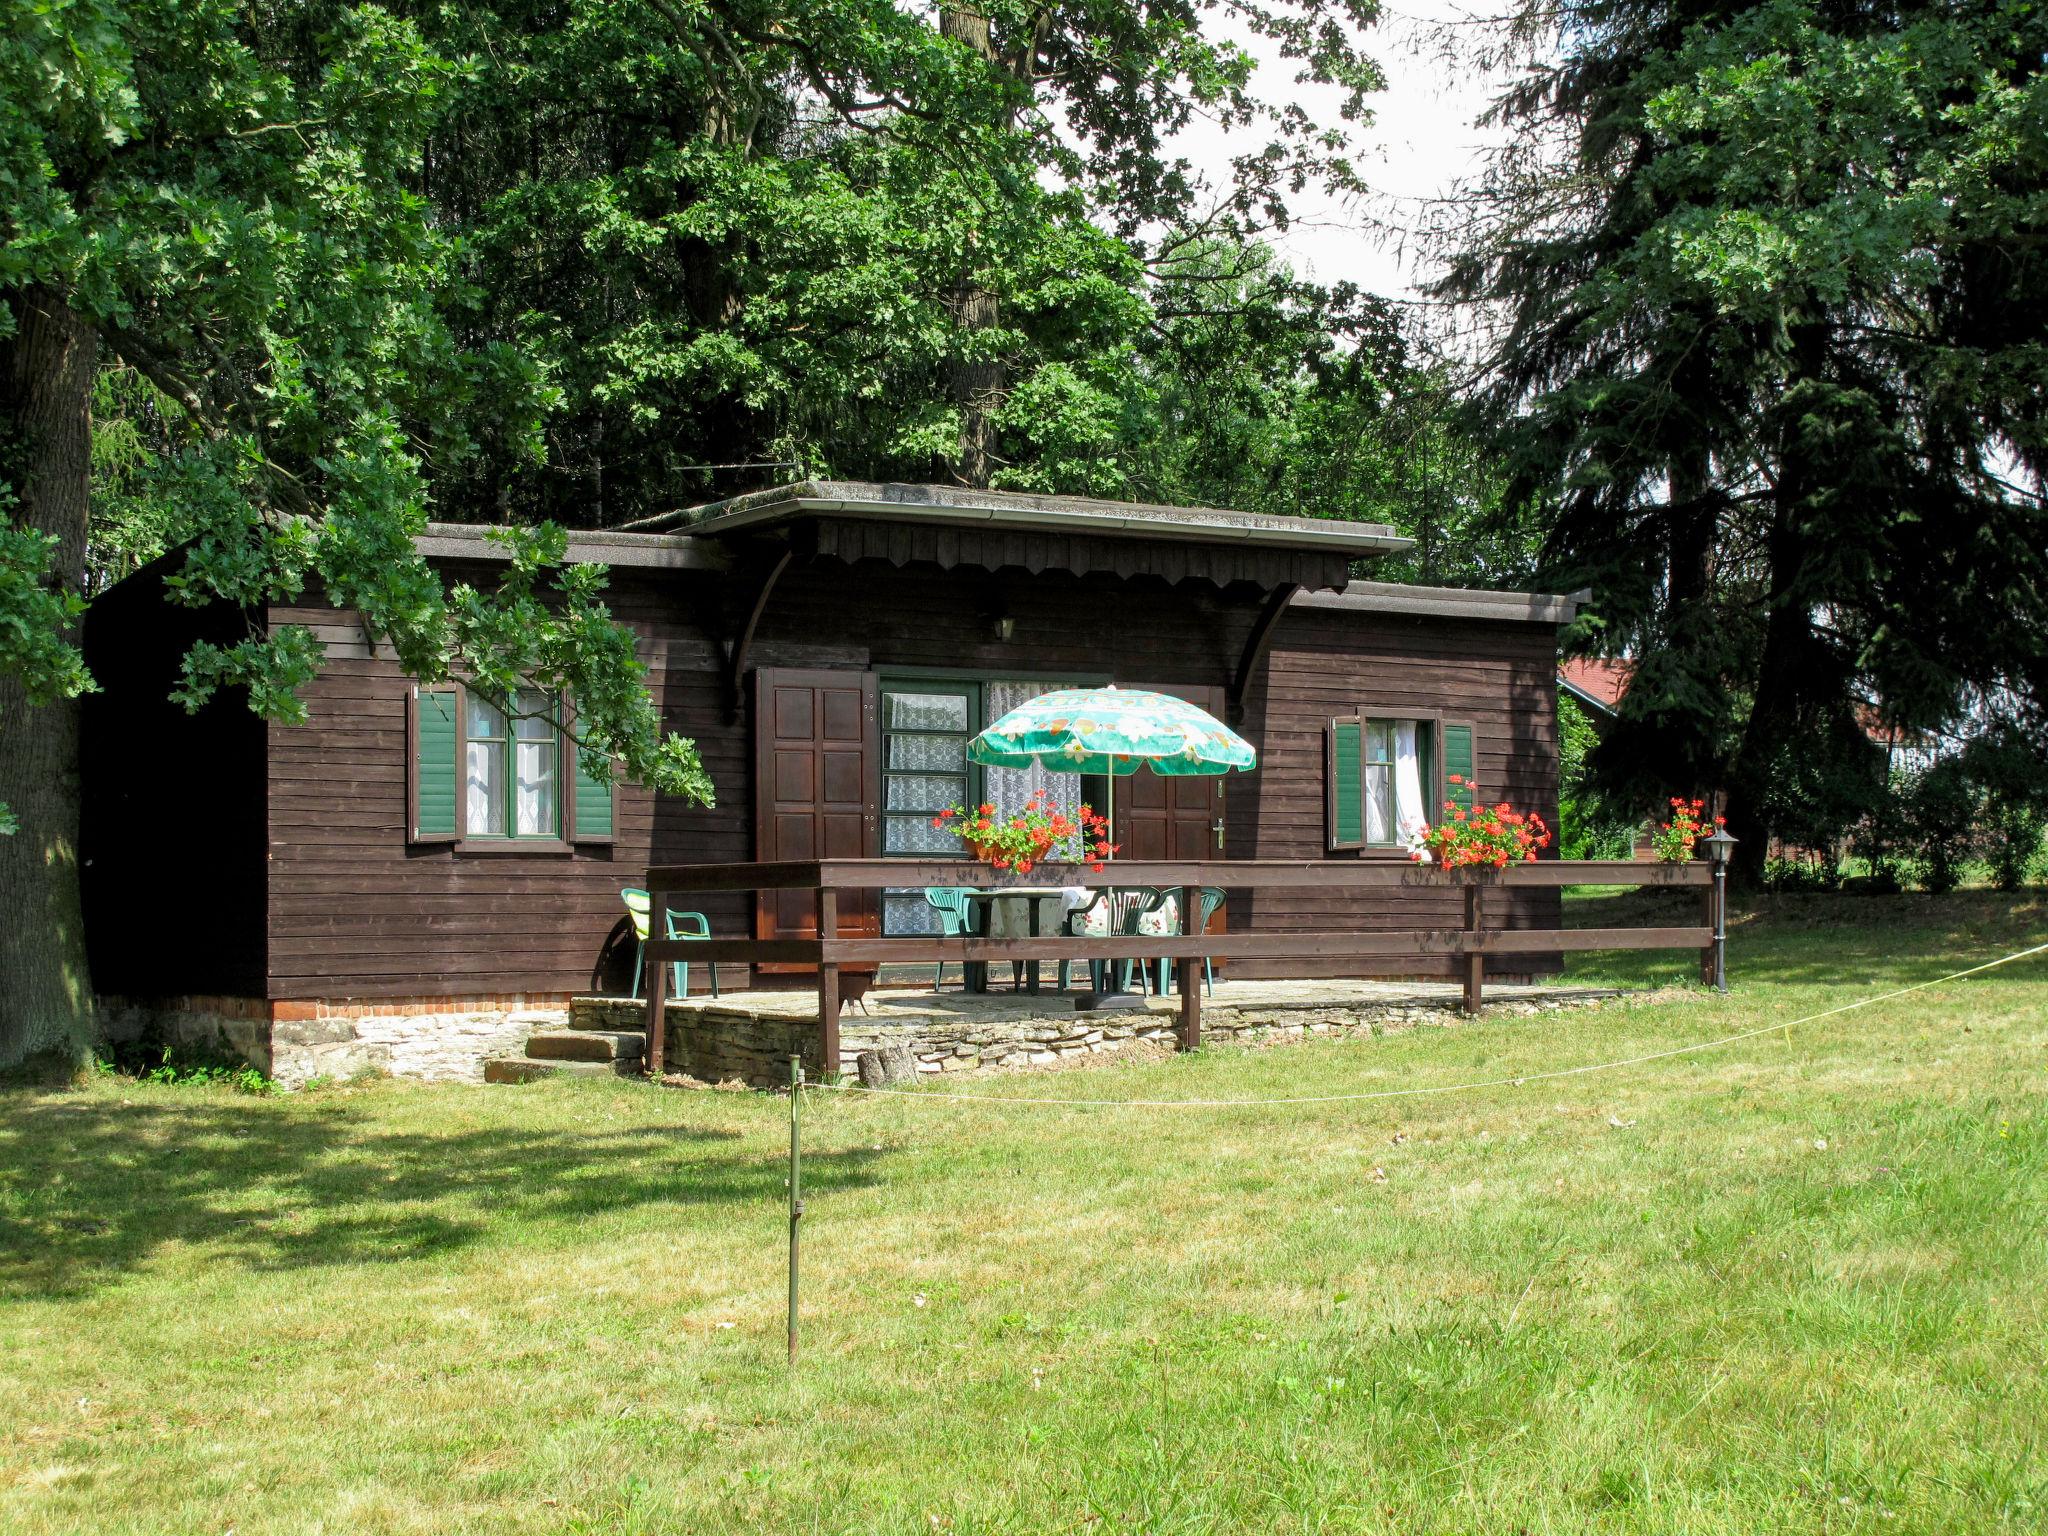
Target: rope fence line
1002,1100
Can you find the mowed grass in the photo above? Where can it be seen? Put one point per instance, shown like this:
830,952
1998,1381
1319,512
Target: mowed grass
1795,1284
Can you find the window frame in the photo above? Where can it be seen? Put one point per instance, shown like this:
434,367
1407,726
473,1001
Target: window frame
1364,717
966,688
564,840
886,683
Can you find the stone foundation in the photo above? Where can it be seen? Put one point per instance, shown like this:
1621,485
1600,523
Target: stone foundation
749,1037
448,1042
434,1047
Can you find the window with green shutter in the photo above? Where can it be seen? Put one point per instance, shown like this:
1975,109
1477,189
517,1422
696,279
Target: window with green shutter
482,776
590,817
1460,764
1345,777
1385,776
436,747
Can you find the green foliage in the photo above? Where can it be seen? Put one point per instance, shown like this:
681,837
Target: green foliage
1772,366
2010,771
36,616
153,1059
1588,827
1940,810
228,197
816,242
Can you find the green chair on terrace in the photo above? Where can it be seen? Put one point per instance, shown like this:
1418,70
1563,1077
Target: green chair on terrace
1115,910
679,925
955,906
1212,898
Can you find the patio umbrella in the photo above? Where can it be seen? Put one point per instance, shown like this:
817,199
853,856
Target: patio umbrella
1113,731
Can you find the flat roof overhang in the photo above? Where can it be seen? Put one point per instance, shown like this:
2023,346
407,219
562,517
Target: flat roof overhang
1446,602
963,507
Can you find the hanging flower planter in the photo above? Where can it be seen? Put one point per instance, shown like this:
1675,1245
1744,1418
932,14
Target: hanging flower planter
1039,832
1486,838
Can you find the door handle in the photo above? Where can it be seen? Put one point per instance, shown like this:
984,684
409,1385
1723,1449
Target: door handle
1218,830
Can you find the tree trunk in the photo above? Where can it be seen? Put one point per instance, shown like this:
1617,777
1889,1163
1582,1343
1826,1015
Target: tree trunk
976,386
1785,675
46,375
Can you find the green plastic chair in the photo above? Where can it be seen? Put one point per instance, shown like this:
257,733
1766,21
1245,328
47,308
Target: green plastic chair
955,906
1212,898
1125,905
680,925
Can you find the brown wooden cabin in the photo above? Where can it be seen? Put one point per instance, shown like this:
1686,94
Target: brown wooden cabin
828,646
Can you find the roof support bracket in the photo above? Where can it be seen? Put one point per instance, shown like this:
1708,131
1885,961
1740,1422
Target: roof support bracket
1256,644
743,642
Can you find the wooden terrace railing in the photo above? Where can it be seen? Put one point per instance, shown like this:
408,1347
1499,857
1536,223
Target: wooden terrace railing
827,880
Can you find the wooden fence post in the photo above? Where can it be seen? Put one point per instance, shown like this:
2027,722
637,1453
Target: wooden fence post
828,986
656,1047
1190,969
1475,963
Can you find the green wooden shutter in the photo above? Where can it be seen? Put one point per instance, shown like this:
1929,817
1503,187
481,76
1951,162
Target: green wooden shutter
1462,760
1344,750
434,779
591,821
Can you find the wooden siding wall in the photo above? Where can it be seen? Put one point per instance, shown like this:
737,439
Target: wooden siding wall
171,833
354,912
1501,677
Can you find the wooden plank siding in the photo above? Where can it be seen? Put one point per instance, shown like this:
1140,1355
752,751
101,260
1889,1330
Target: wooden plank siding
1501,677
346,909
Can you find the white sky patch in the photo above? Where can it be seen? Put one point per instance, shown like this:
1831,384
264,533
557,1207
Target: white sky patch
1422,142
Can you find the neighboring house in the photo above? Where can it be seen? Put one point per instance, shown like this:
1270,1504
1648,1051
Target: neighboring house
404,856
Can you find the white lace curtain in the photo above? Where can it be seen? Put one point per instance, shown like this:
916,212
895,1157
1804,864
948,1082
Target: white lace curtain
1008,788
1394,753
905,910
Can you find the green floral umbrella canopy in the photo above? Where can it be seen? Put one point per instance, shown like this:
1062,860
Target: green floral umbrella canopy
1114,731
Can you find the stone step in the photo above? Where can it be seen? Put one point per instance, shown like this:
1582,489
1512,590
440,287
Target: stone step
606,1017
586,1045
524,1069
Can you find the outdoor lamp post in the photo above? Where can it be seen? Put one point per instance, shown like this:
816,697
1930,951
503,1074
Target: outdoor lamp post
1720,848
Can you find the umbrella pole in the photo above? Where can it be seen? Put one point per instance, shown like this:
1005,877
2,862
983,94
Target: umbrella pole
1094,999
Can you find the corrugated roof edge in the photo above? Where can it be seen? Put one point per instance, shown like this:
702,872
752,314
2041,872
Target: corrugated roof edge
1079,514
1447,602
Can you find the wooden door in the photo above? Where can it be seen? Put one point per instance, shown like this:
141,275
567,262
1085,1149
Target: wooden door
1160,817
817,766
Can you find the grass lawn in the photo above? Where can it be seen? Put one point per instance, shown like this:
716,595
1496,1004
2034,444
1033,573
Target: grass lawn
1797,1284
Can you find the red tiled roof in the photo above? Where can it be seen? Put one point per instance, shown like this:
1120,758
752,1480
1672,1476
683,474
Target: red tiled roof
1602,681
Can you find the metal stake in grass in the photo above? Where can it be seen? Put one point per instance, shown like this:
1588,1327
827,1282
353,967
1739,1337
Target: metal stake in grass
796,1193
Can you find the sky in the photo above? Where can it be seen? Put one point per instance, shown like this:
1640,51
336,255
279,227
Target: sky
1422,141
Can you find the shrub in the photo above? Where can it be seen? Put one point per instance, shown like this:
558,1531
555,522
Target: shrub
2013,834
1812,873
1941,812
2008,767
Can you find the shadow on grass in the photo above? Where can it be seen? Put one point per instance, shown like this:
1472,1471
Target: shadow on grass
91,1190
